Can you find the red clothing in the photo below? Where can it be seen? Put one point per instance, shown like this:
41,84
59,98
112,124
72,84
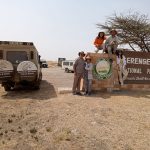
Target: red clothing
99,41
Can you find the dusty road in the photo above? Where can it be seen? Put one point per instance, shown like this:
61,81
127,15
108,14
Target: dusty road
44,120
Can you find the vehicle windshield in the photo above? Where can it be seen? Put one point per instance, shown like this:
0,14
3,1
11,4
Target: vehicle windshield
71,63
43,61
16,57
66,63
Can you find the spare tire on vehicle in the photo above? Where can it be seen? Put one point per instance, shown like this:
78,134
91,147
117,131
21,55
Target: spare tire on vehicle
6,69
27,70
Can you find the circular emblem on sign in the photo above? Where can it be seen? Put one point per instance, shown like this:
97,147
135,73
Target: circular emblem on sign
102,69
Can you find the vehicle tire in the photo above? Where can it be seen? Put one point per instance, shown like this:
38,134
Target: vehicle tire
36,87
38,83
40,77
66,70
7,87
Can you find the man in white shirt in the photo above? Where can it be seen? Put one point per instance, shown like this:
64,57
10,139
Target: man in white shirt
79,69
111,43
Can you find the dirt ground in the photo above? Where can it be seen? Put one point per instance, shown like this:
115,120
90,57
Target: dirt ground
45,120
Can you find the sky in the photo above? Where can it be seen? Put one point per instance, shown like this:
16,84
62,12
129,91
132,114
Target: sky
60,28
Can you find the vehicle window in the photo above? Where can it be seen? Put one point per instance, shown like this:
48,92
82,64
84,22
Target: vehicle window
43,61
66,63
32,55
16,57
71,63
1,54
61,59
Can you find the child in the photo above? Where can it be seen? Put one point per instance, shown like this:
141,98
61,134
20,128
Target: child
99,41
88,76
121,62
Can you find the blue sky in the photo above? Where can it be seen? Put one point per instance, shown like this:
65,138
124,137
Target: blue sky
60,28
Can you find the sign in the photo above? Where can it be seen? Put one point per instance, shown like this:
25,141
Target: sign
102,69
138,67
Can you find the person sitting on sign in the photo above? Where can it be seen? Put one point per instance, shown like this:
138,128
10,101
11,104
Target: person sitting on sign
99,41
111,43
121,62
88,76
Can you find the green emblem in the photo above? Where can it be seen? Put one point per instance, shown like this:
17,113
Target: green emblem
102,69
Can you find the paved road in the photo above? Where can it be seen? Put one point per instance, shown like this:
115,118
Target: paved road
58,78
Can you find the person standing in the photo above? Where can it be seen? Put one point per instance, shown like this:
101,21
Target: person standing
121,62
111,43
79,70
99,41
88,76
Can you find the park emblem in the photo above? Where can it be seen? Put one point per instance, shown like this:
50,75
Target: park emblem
102,69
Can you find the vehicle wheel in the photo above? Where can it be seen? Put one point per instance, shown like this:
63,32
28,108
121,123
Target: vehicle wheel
40,77
37,84
7,87
37,87
67,70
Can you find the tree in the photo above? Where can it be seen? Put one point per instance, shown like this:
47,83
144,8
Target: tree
133,29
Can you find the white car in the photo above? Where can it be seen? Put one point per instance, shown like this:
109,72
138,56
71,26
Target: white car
67,65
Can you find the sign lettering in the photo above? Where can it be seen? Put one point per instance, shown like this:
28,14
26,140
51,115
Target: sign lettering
138,67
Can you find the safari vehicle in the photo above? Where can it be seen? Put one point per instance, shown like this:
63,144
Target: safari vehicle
19,65
67,65
44,63
60,61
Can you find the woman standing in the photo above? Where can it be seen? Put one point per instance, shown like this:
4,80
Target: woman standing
121,62
88,76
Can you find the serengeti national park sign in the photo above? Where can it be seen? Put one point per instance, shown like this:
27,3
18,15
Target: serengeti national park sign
138,67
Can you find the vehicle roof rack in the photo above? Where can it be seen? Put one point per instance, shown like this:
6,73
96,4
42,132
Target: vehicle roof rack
16,43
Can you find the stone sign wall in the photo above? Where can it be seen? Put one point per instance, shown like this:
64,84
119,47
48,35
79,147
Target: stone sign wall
138,67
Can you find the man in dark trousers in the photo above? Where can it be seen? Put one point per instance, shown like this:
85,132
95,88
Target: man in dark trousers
79,70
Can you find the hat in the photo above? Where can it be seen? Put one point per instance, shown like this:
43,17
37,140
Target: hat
81,53
113,30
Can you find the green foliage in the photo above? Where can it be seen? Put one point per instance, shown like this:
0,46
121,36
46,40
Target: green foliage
133,29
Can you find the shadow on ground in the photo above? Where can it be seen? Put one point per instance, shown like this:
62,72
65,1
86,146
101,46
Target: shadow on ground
136,94
47,91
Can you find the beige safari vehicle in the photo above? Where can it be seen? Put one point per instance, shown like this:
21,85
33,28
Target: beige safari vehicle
19,65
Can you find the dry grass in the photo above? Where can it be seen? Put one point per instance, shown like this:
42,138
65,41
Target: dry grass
44,120
52,64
